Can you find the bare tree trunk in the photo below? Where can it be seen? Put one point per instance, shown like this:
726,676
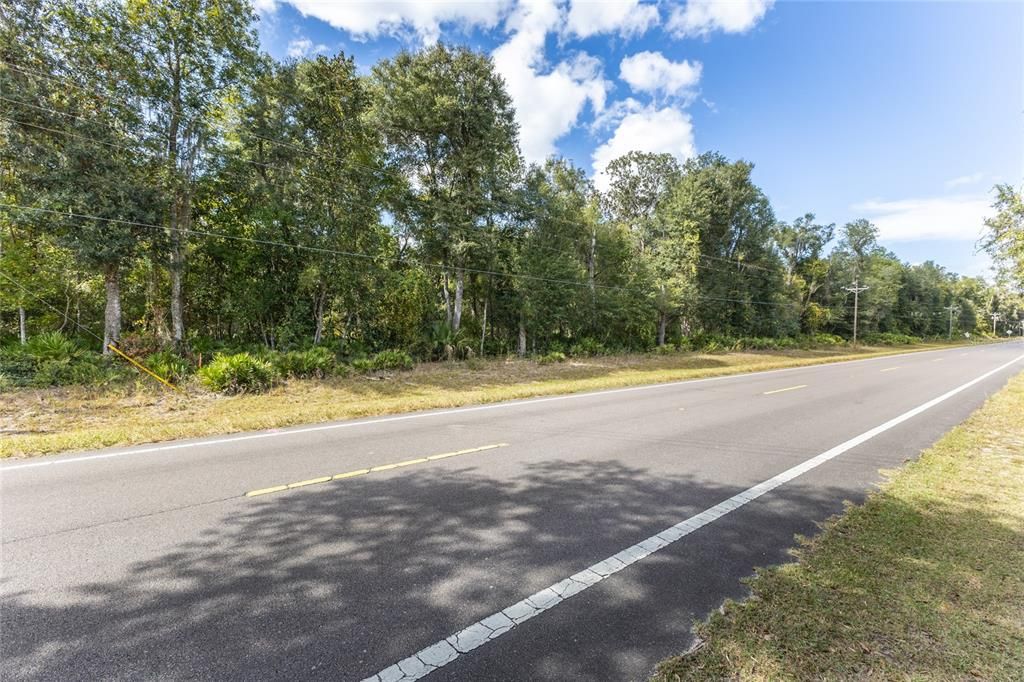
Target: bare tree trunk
319,312
483,329
662,324
158,314
179,227
522,338
112,314
592,260
22,332
457,310
67,312
447,300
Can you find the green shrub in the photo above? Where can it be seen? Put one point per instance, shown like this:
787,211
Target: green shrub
239,373
889,339
667,349
318,362
587,347
69,372
362,364
391,359
52,346
169,366
550,358
17,366
556,346
821,339
759,343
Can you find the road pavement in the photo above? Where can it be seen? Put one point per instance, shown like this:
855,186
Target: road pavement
339,550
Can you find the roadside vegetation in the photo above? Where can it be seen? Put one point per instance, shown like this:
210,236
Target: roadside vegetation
245,391
923,581
170,189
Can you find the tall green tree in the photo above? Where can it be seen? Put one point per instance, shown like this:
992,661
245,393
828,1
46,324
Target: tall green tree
75,150
739,277
450,129
801,245
1004,239
642,197
188,55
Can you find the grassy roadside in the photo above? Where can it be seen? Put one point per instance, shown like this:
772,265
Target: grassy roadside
923,581
35,422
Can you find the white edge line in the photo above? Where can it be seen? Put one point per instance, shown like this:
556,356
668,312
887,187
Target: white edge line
490,628
285,431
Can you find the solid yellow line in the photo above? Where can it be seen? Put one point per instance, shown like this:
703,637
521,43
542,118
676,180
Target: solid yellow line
782,390
360,472
312,481
266,491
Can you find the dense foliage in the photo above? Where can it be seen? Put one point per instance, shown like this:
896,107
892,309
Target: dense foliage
167,186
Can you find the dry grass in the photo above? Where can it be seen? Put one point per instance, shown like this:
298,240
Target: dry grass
924,581
35,422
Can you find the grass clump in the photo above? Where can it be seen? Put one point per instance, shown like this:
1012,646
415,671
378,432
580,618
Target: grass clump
315,363
551,358
169,366
923,581
391,359
238,373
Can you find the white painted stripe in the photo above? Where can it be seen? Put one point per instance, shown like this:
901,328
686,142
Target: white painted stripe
277,433
462,642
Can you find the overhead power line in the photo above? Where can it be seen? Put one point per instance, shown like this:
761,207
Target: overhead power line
364,256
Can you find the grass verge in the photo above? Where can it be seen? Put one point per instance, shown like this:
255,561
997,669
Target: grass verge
36,422
923,581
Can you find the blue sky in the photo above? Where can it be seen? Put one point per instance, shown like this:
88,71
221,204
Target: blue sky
903,113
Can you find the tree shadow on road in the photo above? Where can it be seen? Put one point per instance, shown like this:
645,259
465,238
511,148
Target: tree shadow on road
344,578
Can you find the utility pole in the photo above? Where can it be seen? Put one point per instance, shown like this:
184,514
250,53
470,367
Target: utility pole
953,310
995,318
856,304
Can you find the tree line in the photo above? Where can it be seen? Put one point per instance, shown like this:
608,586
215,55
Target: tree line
163,178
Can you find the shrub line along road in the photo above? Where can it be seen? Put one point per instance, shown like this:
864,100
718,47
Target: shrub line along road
380,539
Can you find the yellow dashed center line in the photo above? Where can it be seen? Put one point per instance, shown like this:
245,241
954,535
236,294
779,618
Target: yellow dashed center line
361,472
782,390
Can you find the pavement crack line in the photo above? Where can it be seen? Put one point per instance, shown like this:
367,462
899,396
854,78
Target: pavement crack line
458,644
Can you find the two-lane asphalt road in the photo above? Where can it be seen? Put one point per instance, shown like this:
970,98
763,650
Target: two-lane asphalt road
574,537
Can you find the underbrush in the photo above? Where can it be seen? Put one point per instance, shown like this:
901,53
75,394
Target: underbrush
52,359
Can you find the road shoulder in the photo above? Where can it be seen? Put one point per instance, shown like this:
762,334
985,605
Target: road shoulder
923,580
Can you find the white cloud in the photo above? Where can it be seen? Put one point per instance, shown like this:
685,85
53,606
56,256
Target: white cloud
628,18
701,17
648,130
302,47
652,73
614,113
952,217
422,18
548,101
965,180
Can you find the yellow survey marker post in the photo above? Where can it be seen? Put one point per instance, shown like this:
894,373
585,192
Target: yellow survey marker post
145,369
